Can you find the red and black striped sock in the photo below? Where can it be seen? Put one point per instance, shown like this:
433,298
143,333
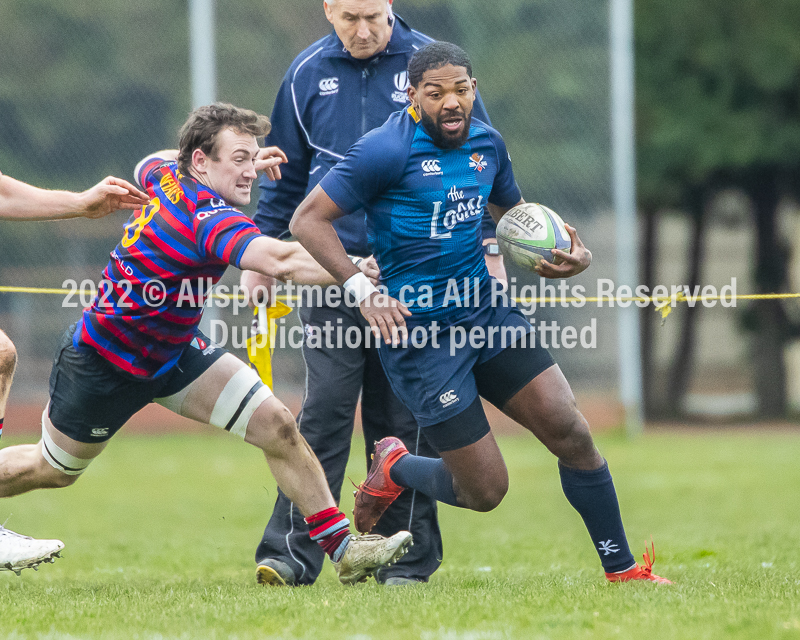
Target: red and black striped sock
330,529
1,427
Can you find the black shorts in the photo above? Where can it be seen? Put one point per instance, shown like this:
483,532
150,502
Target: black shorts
498,380
90,398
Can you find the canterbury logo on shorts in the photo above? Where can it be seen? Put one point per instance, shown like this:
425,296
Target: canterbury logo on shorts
448,398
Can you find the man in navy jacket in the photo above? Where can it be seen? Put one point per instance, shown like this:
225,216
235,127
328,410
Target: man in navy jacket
335,91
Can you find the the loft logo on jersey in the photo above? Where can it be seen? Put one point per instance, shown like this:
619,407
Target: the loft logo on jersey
401,84
431,168
448,398
454,195
477,162
328,86
472,208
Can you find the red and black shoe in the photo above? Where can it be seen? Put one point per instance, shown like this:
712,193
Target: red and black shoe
640,572
378,491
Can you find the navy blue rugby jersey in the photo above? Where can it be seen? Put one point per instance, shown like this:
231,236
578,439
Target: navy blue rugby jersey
424,206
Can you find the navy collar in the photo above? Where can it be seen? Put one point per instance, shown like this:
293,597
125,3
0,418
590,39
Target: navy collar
400,42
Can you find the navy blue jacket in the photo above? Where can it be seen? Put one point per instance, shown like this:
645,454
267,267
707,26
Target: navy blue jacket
326,102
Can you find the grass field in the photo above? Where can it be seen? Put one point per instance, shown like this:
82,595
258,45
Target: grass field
160,536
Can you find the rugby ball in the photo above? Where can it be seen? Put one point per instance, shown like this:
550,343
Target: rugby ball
527,233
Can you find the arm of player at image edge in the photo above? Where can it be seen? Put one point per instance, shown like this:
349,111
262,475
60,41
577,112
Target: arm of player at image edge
21,201
576,261
312,225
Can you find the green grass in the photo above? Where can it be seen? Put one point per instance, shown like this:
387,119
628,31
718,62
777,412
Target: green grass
161,532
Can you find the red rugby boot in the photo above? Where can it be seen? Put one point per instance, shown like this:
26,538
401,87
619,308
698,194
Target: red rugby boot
640,572
378,491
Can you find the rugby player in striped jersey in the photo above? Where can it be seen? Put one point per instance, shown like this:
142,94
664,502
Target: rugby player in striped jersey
139,341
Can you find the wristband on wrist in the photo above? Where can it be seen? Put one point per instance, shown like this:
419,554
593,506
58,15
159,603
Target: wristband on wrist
356,260
359,287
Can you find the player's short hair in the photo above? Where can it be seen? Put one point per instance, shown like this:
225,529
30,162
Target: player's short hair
204,124
435,56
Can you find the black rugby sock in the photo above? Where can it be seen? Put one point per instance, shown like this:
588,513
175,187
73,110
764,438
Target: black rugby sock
592,495
426,475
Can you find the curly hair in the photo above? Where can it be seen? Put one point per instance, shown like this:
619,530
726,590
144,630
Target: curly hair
201,129
435,56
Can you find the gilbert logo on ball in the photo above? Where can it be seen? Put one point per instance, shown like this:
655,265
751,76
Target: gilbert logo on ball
527,233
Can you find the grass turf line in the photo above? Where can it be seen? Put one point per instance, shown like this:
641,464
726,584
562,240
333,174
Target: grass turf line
160,536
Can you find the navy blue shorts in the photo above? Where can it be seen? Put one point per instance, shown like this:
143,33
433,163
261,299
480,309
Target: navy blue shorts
90,398
440,372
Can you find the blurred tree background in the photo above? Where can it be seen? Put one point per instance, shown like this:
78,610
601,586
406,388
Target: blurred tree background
718,92
90,89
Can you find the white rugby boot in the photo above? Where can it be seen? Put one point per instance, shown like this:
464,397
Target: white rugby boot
22,552
364,555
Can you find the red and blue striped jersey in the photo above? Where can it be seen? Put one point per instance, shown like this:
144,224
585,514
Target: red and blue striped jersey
149,305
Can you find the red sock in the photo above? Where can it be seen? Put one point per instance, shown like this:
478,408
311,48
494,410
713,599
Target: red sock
1,427
330,529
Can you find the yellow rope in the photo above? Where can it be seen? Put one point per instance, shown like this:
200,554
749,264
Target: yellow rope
664,304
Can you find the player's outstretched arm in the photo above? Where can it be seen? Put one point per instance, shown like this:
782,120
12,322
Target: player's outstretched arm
290,261
284,261
21,201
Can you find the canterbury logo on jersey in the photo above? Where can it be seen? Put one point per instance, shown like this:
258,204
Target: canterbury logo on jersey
328,86
401,84
448,398
431,168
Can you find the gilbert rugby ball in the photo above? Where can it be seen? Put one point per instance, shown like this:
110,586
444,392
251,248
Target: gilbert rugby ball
527,233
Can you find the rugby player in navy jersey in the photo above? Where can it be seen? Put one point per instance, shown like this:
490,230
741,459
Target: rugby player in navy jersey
20,201
423,179
139,341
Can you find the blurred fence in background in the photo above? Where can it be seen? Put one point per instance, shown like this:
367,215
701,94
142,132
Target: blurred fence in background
87,89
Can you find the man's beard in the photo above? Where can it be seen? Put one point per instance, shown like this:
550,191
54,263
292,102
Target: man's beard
440,137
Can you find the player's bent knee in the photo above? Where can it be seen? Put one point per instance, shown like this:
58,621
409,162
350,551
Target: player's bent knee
487,495
53,478
273,428
242,396
566,426
488,500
